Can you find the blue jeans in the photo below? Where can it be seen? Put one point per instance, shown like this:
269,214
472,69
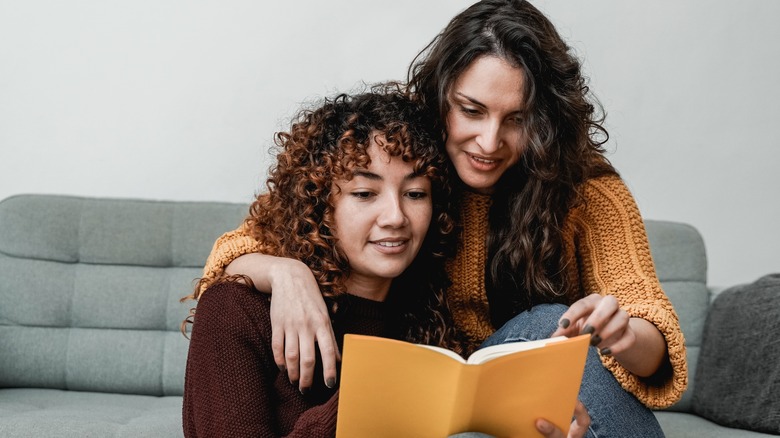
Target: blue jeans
614,412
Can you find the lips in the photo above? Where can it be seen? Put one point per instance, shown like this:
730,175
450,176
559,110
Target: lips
483,163
390,246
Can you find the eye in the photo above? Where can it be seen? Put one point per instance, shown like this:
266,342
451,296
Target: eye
516,120
417,194
362,194
472,112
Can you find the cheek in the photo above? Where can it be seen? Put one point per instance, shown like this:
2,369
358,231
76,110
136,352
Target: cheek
420,218
519,146
344,218
456,126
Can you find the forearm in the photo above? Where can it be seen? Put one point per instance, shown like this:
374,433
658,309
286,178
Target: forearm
271,272
647,353
256,266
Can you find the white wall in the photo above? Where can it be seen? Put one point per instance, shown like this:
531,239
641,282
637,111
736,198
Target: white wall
175,99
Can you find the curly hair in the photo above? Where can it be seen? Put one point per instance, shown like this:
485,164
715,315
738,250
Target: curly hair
294,217
564,134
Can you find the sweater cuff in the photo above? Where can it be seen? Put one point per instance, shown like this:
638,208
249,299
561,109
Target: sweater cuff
227,248
668,393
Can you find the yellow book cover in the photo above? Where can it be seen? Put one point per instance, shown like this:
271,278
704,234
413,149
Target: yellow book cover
392,388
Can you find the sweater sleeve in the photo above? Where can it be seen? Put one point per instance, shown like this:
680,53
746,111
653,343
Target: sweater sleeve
614,256
227,248
232,385
318,421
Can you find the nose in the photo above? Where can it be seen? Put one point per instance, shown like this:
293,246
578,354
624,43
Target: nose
392,214
489,138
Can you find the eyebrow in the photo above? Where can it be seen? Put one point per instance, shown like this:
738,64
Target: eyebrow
375,177
476,102
470,99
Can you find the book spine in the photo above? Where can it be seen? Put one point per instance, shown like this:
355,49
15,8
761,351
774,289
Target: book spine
463,401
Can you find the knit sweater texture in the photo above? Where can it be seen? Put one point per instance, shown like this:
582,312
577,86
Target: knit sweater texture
607,238
233,387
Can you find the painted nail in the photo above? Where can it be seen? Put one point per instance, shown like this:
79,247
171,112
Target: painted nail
304,390
564,322
330,382
282,368
587,330
595,340
294,382
606,351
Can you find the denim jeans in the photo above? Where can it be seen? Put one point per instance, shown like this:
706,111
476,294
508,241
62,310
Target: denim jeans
614,412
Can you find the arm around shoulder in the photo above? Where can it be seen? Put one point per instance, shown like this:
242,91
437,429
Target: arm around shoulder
227,248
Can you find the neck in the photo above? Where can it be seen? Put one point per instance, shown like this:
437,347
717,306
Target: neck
370,289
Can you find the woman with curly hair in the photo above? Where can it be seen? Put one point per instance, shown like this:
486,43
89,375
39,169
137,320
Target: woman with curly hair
356,184
551,240
359,194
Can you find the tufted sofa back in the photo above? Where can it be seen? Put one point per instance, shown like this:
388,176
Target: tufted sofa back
90,289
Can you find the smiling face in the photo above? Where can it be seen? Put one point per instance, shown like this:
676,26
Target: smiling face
381,217
484,122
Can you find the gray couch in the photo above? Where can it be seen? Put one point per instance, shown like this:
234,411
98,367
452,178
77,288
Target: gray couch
90,313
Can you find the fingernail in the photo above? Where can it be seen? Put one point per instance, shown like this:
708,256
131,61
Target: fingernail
330,382
282,368
294,382
606,351
587,330
595,340
304,390
564,322
544,426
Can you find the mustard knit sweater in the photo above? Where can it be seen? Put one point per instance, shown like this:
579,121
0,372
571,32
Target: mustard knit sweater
607,237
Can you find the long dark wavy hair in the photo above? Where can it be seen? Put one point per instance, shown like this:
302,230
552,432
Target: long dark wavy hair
562,127
294,217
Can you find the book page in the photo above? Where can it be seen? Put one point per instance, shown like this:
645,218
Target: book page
488,353
444,351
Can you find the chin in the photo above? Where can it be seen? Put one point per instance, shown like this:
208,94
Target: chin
480,185
390,273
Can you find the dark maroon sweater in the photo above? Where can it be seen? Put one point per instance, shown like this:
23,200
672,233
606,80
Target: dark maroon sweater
233,387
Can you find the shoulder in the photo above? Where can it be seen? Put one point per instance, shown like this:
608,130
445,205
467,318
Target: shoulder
606,185
607,206
226,303
608,195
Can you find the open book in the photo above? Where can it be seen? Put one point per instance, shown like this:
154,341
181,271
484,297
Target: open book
392,388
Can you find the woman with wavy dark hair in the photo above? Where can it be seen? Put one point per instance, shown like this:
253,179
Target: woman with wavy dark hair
551,240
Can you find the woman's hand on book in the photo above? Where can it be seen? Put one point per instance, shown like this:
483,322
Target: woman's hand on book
578,429
603,319
636,343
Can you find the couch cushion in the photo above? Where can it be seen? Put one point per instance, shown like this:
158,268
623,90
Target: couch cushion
684,425
90,290
738,378
48,412
681,264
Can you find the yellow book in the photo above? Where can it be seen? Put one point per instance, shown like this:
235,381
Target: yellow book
393,388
